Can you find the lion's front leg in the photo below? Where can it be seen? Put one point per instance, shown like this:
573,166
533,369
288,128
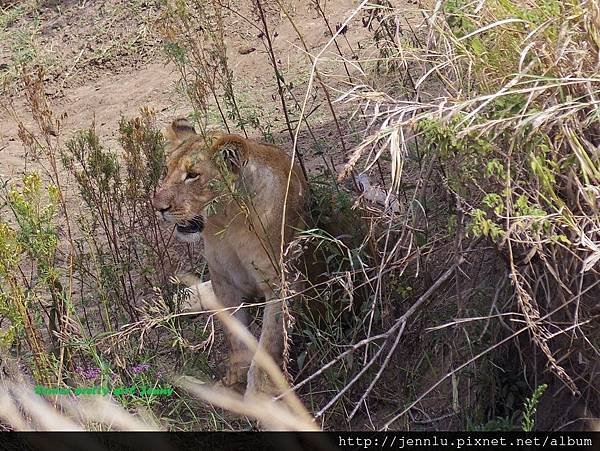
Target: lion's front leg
238,363
272,341
239,358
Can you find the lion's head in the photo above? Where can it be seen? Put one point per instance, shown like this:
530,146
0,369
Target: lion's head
196,169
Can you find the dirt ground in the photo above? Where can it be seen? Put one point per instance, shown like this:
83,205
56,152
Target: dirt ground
104,60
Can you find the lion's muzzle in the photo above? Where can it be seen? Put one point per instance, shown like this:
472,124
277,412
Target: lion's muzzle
195,225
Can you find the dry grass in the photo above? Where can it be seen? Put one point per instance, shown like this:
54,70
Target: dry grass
471,234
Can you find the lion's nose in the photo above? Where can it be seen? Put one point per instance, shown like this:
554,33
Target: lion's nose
160,204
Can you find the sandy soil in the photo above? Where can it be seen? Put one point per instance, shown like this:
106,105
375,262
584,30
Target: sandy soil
104,60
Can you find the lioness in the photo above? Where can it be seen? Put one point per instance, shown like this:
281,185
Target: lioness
231,192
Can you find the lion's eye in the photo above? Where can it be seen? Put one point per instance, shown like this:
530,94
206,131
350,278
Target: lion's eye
191,176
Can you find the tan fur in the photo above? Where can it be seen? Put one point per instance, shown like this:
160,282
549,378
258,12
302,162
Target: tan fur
239,192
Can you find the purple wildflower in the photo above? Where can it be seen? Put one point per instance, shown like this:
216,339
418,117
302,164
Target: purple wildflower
88,373
140,368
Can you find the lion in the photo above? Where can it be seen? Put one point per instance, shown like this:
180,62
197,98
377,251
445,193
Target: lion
233,193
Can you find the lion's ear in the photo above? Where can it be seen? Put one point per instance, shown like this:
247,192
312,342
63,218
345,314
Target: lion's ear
233,150
179,130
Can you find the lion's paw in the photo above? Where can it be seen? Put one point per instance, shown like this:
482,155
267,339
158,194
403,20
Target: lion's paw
259,383
236,372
